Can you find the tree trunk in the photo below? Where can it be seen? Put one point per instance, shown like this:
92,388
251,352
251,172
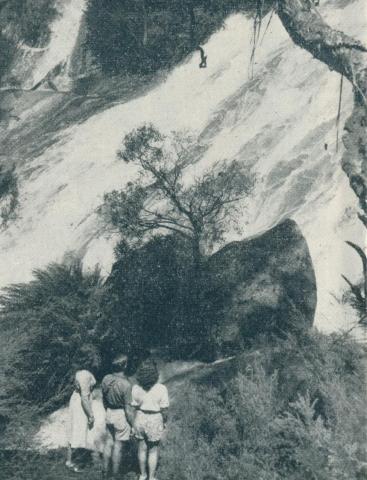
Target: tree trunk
348,57
197,255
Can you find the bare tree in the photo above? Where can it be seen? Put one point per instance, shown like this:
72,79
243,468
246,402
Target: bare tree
160,201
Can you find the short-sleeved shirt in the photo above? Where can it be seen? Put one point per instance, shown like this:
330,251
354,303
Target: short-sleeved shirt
116,390
153,400
84,382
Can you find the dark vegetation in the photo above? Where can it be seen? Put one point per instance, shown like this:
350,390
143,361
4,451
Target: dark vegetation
65,319
55,319
146,35
8,195
28,20
292,409
289,410
7,49
23,21
356,295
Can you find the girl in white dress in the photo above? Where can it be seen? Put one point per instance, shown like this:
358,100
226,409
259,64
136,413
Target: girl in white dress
81,414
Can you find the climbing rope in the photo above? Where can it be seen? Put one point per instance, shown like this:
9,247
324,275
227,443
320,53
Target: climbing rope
339,111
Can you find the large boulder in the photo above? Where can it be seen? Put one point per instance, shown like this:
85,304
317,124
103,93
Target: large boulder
263,285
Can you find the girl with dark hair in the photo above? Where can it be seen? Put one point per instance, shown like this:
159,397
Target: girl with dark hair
150,399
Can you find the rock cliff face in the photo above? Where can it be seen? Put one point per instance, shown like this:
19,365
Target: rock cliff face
264,285
280,123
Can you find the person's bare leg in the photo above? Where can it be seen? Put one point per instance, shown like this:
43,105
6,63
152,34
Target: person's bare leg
107,455
153,454
69,456
143,457
118,448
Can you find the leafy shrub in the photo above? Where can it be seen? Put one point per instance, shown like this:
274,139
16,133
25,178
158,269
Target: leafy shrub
148,300
54,318
7,49
29,20
237,421
144,36
8,195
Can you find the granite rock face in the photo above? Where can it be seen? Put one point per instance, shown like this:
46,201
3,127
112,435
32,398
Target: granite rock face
264,285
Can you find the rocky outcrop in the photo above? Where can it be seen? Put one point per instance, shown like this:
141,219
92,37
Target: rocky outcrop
265,285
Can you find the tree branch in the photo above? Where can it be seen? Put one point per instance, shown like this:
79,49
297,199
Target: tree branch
169,191
348,57
354,289
334,48
163,218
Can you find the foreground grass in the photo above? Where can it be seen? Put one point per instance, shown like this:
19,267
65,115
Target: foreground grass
293,409
16,465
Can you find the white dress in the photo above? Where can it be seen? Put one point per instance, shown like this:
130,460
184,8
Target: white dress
84,383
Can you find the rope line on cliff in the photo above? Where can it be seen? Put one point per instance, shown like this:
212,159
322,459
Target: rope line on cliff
339,111
267,26
256,34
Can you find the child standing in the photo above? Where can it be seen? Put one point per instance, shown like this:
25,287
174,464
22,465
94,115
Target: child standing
150,399
81,415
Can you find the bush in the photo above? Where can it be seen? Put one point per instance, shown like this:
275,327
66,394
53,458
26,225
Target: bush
7,50
8,195
54,319
29,20
148,300
122,40
237,422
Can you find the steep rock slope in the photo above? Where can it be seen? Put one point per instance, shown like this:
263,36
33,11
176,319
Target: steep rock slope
280,122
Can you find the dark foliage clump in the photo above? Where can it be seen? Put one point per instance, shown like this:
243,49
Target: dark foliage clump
144,36
28,20
66,319
7,49
8,195
23,21
53,319
149,298
242,423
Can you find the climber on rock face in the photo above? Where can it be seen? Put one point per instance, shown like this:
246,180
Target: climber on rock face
203,57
